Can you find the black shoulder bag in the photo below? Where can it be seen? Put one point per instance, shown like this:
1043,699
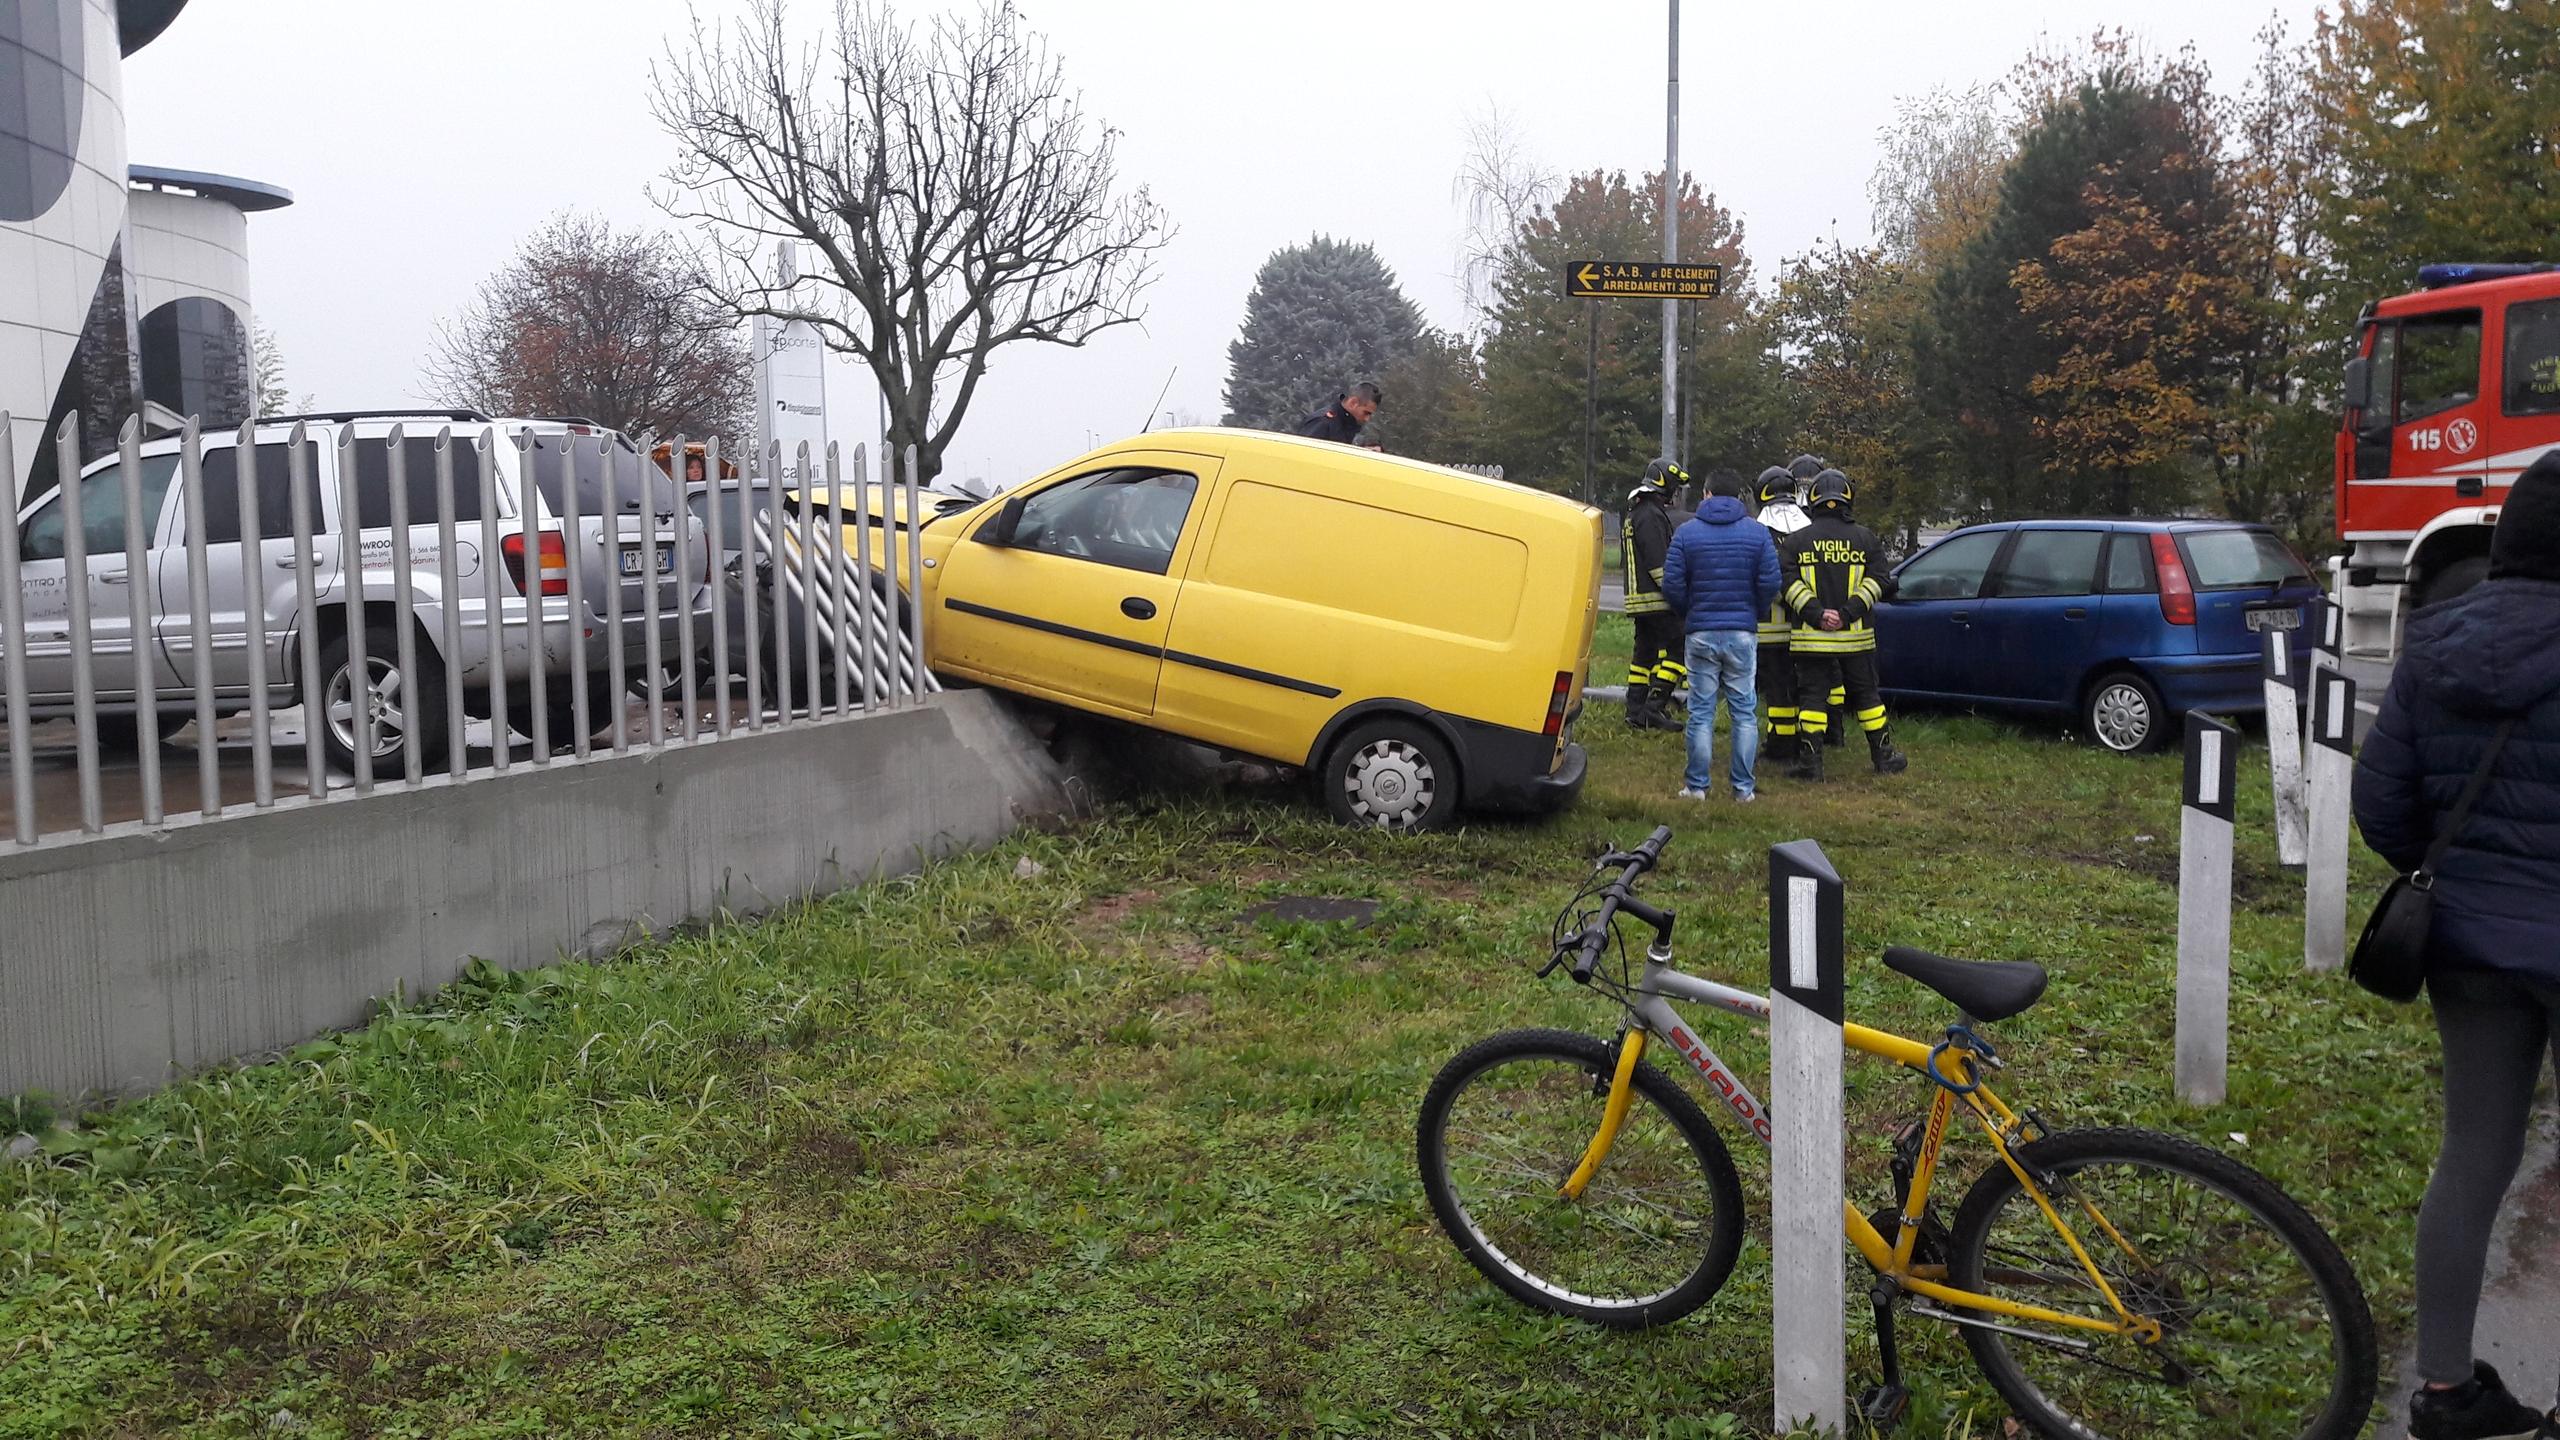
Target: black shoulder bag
2391,955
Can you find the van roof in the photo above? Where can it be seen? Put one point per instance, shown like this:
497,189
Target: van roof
1231,442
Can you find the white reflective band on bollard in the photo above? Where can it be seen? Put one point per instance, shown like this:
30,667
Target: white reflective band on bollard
2204,910
2331,765
1809,1285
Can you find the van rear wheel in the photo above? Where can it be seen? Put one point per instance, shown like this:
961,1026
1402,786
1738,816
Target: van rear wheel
1391,775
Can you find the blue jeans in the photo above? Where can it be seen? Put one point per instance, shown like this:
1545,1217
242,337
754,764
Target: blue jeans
1722,664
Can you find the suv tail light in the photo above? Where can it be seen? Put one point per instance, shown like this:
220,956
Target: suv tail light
2177,596
554,558
1556,702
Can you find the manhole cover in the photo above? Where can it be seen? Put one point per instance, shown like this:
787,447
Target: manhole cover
1314,910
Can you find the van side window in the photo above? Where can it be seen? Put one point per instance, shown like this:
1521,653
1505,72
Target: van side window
2439,363
1130,518
2533,358
101,512
275,496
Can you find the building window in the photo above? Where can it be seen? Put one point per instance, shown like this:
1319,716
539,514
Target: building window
195,360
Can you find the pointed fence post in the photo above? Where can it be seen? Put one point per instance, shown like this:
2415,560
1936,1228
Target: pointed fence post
2204,911
2284,745
2330,761
1805,1185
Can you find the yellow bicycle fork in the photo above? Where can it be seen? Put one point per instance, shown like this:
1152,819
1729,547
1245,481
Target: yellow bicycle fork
1894,1259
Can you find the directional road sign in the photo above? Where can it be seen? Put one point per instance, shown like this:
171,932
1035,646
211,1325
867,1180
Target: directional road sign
1640,280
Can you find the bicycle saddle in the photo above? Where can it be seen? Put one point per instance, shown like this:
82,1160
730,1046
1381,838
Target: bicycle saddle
1983,989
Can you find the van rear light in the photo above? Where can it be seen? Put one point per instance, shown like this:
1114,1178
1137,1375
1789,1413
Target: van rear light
2177,596
554,558
1556,702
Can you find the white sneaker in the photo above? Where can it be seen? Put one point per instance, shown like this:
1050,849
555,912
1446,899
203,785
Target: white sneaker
1687,794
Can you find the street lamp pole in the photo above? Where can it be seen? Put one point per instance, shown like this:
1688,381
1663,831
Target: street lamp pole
1671,243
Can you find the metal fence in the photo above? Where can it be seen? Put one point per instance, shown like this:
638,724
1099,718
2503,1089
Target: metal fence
401,586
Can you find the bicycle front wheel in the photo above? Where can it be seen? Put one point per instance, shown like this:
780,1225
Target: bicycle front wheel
2265,1332
1653,1234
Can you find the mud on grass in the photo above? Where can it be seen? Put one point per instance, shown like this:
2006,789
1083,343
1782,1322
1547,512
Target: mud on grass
1080,1155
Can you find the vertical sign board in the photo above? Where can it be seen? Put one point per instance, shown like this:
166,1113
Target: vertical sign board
2331,763
791,382
2276,667
1805,1185
2204,910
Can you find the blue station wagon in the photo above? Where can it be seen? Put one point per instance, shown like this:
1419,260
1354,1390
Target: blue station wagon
2122,625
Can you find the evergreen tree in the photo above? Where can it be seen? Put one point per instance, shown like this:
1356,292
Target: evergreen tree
1435,403
1322,316
1538,345
2127,137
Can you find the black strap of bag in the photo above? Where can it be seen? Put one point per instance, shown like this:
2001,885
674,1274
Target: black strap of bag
2424,877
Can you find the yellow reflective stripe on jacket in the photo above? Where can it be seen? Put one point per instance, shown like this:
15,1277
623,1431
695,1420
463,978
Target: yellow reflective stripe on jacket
1644,603
1832,642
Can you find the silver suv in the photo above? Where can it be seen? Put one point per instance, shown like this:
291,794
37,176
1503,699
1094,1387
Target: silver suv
646,501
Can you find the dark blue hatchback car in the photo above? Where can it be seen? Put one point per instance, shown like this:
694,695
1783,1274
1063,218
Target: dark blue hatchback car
2124,625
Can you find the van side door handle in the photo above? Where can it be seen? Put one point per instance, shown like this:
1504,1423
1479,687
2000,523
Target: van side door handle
2076,612
1138,607
1962,617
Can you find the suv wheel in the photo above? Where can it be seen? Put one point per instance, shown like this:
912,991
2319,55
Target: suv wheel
402,718
1391,775
2123,713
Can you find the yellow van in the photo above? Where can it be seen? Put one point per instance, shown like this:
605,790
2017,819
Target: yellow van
1413,636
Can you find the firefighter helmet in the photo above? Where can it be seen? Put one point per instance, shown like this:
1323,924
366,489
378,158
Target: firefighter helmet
1833,488
1775,484
1661,477
1805,467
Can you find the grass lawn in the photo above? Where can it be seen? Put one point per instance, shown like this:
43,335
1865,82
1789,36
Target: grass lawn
1081,1153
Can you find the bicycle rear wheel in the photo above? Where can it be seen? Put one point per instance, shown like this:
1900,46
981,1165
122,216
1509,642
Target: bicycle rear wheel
1656,1231
2266,1330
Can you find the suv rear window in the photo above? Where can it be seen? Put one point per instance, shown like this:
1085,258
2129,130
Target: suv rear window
418,457
2239,559
633,476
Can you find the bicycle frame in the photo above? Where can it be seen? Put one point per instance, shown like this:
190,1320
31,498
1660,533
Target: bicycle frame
1650,1012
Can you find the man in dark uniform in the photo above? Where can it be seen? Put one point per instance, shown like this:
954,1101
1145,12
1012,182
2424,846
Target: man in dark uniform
1776,676
1804,468
1835,575
1655,671
1340,421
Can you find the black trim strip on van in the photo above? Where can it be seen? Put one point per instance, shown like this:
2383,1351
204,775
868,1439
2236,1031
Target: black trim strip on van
1133,647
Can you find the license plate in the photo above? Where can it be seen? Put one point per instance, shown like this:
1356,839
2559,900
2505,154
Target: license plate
2273,617
633,559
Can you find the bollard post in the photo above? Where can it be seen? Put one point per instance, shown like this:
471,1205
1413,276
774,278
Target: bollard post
2328,620
2284,744
1806,1190
2331,763
2204,911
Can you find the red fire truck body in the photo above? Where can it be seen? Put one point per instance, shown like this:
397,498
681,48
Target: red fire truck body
2454,390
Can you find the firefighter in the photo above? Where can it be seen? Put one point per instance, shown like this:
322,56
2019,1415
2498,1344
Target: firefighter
1835,575
1804,468
1654,672
1776,492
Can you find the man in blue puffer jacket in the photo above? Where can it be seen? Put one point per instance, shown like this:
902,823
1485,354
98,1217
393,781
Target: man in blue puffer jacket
1720,577
2493,963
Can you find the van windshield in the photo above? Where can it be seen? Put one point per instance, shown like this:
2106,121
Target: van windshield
635,480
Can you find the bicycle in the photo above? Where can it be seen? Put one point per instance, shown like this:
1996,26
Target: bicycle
2108,1282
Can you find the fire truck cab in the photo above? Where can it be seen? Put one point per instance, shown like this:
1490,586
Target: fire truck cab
2453,391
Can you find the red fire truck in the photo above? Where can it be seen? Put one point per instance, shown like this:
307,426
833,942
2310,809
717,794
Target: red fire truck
2455,388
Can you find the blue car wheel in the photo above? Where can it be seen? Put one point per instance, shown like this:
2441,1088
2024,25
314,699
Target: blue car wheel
2123,713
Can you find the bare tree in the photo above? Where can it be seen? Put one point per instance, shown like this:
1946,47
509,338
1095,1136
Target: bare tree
274,396
957,195
1499,187
615,326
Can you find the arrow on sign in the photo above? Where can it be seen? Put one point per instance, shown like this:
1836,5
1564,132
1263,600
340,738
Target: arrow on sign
1586,277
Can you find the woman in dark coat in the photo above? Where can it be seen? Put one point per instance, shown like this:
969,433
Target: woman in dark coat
2493,971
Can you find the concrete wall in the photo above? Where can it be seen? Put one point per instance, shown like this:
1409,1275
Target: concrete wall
130,960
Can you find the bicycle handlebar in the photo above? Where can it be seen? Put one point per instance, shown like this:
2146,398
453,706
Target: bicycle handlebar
1619,895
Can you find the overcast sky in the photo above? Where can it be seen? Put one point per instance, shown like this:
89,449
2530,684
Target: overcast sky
422,141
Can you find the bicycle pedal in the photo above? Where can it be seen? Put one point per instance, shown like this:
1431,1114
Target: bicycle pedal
1884,1405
